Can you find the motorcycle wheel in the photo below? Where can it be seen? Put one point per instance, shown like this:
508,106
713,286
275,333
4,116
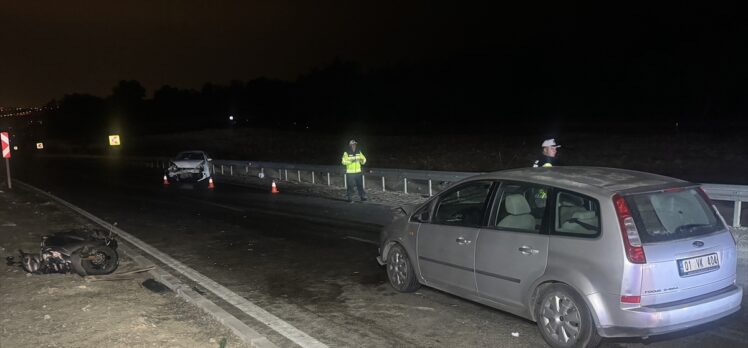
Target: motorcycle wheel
31,263
95,260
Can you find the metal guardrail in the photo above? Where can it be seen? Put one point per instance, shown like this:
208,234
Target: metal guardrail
718,192
282,169
734,193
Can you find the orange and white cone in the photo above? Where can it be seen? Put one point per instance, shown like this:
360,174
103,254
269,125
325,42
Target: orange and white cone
210,183
166,180
274,189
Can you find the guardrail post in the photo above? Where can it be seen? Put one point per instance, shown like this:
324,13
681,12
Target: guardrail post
736,215
405,185
312,177
430,192
345,181
383,189
285,171
298,175
328,178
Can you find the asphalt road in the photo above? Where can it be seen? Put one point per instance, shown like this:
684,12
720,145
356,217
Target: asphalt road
308,260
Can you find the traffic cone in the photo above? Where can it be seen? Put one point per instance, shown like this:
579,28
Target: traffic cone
274,188
166,180
210,184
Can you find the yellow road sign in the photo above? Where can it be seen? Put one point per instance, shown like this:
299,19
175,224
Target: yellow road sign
114,140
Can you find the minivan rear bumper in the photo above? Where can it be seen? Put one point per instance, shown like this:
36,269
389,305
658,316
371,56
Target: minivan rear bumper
655,320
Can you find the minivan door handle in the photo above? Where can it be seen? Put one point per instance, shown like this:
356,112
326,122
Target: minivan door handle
528,250
462,241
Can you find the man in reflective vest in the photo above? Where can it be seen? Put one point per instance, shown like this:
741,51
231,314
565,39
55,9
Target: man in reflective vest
353,159
549,154
549,159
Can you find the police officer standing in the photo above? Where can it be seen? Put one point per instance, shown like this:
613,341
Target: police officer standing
549,154
353,159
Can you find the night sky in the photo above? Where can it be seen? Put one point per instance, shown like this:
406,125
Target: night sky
53,48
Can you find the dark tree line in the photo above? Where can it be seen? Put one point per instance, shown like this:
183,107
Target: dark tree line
475,92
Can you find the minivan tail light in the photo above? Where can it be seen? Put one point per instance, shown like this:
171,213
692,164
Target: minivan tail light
630,234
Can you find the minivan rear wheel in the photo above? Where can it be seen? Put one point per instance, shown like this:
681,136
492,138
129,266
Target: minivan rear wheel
564,319
400,270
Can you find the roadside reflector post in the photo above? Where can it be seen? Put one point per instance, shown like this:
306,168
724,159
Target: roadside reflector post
231,169
298,175
246,170
345,181
5,139
312,177
363,181
405,185
328,178
736,215
222,169
383,189
285,171
430,194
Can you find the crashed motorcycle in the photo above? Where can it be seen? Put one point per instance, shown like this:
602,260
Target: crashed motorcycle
82,252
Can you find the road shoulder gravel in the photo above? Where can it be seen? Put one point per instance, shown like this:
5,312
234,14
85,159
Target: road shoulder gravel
67,310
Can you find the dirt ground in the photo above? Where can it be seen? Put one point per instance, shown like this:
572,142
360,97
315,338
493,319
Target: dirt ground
66,310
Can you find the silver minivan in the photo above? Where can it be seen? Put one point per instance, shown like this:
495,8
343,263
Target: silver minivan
584,252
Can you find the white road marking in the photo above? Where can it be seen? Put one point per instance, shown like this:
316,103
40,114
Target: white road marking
263,316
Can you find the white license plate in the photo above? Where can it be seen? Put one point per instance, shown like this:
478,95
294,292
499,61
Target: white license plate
699,264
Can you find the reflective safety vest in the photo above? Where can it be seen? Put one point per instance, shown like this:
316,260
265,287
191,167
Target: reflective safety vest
545,162
353,161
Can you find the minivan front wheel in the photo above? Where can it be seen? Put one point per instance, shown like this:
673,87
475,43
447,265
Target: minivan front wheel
400,270
564,319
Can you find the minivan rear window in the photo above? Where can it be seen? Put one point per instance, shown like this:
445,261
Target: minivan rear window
672,214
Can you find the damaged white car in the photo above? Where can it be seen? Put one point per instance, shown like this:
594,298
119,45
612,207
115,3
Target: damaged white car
190,167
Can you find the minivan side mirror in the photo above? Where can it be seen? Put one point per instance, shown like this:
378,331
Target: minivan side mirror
423,216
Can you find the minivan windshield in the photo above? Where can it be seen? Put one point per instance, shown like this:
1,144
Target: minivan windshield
672,214
183,156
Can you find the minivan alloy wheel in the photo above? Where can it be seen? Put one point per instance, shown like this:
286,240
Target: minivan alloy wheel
561,318
400,271
398,268
564,320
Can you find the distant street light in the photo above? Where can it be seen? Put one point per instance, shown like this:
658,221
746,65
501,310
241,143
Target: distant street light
231,118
